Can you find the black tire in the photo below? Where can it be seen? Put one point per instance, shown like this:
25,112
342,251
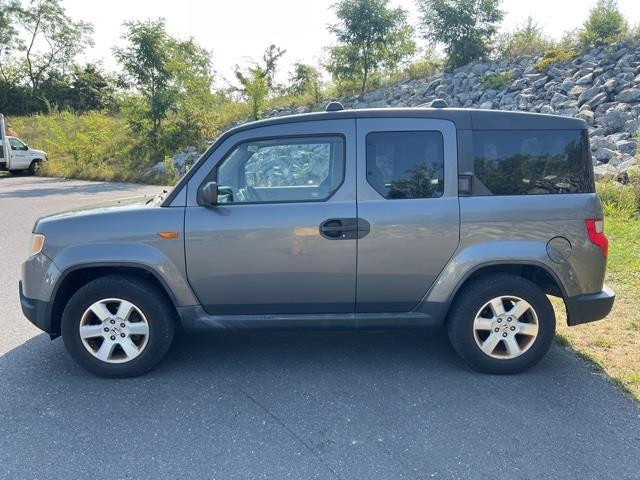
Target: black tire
478,293
34,167
151,301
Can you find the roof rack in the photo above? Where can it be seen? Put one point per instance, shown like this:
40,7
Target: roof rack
333,107
438,103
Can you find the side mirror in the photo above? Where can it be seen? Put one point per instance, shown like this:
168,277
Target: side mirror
209,193
26,147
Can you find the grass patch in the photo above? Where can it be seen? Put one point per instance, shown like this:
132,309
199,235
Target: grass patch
556,55
496,81
613,345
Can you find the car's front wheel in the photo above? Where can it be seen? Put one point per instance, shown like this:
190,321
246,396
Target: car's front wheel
35,167
118,326
501,323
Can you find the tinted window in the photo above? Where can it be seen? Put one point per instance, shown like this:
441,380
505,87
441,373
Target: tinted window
515,162
282,170
406,164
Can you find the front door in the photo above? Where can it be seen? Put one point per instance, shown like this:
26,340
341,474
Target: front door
19,156
408,193
274,243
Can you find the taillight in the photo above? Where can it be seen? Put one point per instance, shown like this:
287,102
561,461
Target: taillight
595,229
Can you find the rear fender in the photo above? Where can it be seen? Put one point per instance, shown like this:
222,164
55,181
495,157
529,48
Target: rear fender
517,252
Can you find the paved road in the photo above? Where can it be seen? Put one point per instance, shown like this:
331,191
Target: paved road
290,405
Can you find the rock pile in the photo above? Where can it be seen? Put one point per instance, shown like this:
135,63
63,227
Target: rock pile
601,86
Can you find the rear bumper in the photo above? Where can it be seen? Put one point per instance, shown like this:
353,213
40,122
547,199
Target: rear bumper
589,308
36,312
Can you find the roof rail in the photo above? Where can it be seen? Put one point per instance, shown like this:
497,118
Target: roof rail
333,107
438,103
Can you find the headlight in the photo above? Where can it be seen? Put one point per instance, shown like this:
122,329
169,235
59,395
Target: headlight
37,242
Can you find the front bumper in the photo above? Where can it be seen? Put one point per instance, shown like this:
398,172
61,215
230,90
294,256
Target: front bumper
37,312
589,308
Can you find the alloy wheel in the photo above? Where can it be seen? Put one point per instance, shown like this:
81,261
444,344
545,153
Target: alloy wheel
114,330
505,327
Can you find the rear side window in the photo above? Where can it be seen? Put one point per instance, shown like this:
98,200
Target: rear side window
406,164
533,162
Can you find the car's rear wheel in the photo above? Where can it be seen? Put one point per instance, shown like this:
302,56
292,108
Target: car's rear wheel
501,323
118,326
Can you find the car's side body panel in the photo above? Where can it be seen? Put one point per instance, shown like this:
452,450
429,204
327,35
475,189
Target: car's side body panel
518,231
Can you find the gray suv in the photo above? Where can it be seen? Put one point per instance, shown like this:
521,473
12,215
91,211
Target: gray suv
367,219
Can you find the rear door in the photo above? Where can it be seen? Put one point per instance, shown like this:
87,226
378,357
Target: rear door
407,190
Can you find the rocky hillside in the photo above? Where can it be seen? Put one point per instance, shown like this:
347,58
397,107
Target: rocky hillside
601,86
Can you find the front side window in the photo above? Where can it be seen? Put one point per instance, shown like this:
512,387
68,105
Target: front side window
404,165
300,169
533,162
16,144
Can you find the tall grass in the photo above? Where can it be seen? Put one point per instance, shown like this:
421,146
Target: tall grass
622,201
99,146
94,146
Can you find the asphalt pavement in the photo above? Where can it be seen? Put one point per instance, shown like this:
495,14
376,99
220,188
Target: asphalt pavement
295,405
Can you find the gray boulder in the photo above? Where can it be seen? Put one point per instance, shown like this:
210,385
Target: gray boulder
629,95
628,147
588,94
602,172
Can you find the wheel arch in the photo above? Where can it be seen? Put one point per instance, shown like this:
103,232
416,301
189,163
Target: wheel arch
537,273
73,278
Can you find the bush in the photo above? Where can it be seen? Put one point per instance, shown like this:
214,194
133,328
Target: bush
529,39
553,56
604,25
622,201
496,81
424,68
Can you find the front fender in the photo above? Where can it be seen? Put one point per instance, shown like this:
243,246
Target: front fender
510,252
137,255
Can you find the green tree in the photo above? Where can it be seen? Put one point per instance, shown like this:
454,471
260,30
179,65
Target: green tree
53,40
528,39
92,89
305,80
371,36
605,24
465,27
258,79
9,40
163,72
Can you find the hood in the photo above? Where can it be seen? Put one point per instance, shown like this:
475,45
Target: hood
114,206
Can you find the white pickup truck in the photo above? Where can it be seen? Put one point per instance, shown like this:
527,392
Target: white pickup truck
16,156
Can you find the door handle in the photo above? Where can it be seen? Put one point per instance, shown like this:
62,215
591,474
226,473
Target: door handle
344,228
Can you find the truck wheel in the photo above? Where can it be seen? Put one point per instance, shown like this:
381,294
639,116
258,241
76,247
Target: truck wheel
35,167
501,323
118,326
